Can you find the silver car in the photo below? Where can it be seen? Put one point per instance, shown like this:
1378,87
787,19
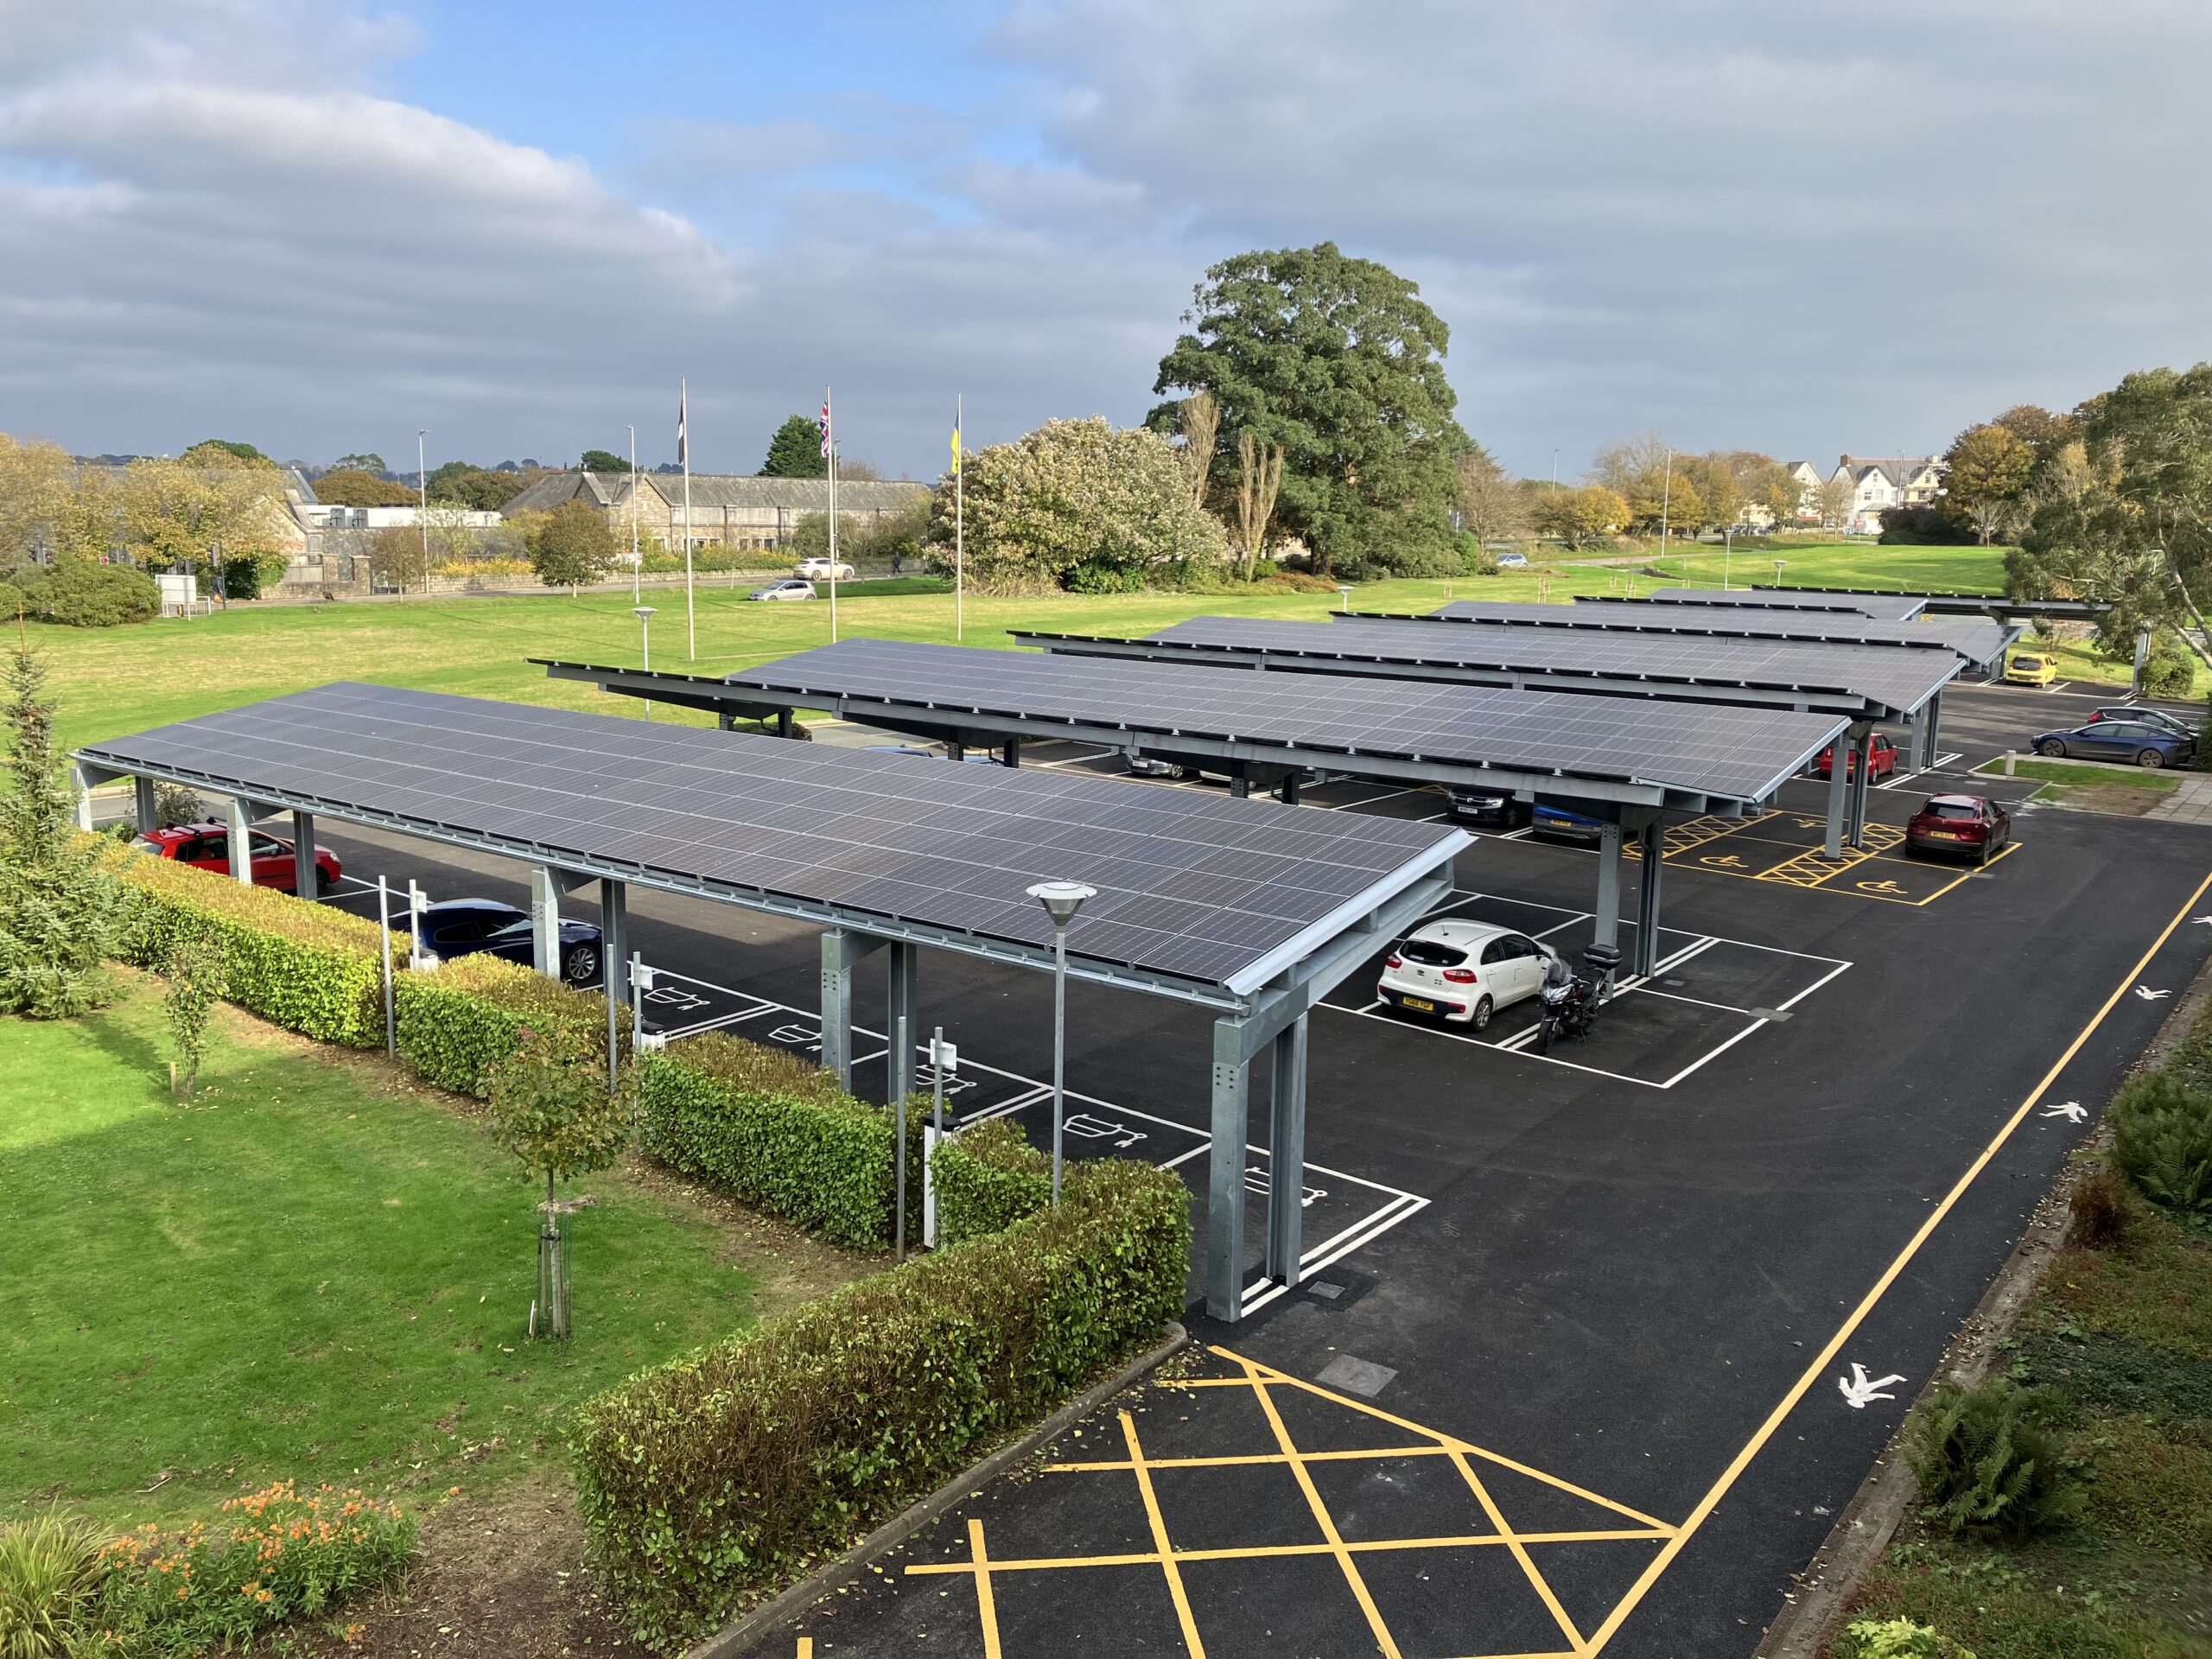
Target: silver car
789,588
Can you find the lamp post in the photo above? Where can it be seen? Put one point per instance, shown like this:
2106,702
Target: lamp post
645,615
1778,564
1061,900
1554,469
1344,605
1728,552
423,502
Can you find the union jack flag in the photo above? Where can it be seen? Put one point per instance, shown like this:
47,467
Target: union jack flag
825,428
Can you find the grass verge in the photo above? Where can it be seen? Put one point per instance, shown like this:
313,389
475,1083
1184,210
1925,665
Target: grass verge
311,1269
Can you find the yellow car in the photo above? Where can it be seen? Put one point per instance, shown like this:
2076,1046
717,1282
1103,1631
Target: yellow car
2030,668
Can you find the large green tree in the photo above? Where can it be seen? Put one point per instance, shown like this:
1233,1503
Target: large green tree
602,460
571,546
1988,470
355,486
58,902
2127,516
795,451
477,488
1338,360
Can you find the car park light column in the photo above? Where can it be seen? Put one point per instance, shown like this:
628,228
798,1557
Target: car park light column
902,1016
304,873
1061,900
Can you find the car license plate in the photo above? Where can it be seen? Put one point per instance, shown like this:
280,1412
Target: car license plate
1419,1005
1942,835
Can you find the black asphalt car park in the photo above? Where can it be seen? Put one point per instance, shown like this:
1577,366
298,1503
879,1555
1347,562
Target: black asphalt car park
1638,1315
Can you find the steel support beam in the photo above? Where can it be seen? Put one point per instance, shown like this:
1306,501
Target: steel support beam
1604,956
842,949
615,967
80,789
1286,1152
545,921
1225,1176
143,802
1012,753
241,840
786,722
305,881
903,1003
1861,780
1240,787
1929,726
1839,799
1652,839
1287,790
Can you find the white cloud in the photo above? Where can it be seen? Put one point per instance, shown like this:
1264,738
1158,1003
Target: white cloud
1853,223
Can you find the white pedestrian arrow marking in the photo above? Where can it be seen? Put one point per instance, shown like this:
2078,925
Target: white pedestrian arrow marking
2200,921
2073,1111
2149,995
1860,1391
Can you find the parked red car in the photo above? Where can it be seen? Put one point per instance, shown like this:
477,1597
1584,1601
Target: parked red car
1972,825
207,847
1884,761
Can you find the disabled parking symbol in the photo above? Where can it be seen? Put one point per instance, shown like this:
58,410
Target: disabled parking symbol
1726,862
1886,888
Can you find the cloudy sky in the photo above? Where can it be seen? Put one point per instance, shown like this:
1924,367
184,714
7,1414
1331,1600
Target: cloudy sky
1803,228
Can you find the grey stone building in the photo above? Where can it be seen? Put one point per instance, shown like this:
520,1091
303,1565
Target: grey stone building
734,511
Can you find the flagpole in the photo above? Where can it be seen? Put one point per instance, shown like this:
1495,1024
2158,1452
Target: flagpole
959,500
682,425
636,565
829,444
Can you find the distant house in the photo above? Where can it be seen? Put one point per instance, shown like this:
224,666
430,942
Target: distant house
734,511
1881,482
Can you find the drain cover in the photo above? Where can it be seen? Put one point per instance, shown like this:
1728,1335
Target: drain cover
1360,1376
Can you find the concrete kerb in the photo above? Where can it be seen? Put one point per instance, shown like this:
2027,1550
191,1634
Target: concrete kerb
735,1638
1812,1614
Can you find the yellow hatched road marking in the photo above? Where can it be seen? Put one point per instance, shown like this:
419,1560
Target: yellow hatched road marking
1822,1361
1191,1642
1520,1555
1383,1637
1267,1551
986,1603
1244,1460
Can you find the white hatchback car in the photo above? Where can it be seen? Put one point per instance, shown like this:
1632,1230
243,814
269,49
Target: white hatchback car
1463,971
822,570
788,587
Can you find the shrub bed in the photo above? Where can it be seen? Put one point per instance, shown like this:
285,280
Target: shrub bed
306,966
774,1131
707,1481
458,1021
987,1178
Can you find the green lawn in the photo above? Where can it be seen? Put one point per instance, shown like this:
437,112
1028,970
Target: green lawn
1855,564
2061,772
121,680
308,1270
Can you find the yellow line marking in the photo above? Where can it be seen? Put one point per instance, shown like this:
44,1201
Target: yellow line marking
986,1603
2011,846
1191,1642
1446,1441
806,1647
1383,1637
1825,1358
1266,1552
1247,1458
1536,1580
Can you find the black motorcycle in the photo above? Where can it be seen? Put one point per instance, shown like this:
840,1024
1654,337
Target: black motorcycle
1569,1011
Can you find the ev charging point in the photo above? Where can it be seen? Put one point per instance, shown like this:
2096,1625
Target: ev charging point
944,1062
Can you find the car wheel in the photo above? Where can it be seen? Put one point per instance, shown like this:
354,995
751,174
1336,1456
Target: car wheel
2051,746
580,965
2150,758
1479,1020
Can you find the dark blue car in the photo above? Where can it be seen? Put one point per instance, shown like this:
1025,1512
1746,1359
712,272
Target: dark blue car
463,927
2135,742
1557,824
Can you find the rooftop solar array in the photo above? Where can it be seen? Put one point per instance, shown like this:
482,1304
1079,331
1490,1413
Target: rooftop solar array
1741,753
1189,885
1866,675
1975,639
1884,607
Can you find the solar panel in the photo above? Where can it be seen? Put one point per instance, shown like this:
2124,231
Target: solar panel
1735,752
1888,608
1845,679
1975,639
884,835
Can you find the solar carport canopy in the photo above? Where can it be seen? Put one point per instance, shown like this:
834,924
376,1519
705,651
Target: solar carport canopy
1653,752
1859,682
1192,887
1975,639
1883,607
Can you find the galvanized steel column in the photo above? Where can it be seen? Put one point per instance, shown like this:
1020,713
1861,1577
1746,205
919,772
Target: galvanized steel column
1605,953
1864,749
545,921
905,1002
1652,839
1839,798
614,967
304,873
1286,1152
1225,1176
148,809
241,840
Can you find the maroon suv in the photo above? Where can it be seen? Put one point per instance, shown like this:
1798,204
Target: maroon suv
1972,825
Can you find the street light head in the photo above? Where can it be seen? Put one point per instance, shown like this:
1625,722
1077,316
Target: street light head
644,612
1062,900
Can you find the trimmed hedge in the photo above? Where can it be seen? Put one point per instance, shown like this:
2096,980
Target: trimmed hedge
460,1020
707,1481
303,966
775,1133
988,1178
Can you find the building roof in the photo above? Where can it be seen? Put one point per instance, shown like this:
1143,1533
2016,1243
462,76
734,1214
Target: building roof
712,492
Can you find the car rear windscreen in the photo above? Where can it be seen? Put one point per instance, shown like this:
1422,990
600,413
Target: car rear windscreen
1952,809
1430,954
